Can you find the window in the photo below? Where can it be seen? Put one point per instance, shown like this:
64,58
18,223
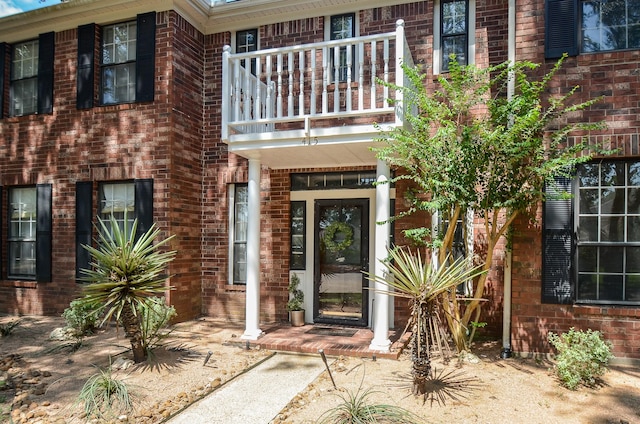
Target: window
119,63
591,242
342,59
127,63
31,76
609,25
239,216
298,230
333,180
24,78
126,201
117,201
22,232
453,34
29,233
587,26
608,232
247,41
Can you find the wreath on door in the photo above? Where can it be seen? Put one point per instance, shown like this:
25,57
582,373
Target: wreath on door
330,236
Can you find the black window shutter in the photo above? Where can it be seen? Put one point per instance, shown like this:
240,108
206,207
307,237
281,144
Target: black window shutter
145,57
85,77
561,28
1,244
3,65
84,215
46,54
558,245
43,232
144,205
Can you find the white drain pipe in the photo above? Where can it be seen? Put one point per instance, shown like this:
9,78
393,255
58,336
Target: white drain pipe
506,310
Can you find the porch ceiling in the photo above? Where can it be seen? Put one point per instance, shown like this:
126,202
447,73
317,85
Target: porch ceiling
310,155
318,148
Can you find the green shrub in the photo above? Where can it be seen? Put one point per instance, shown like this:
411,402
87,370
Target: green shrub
81,317
154,317
582,356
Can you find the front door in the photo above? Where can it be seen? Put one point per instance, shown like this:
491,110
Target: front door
341,254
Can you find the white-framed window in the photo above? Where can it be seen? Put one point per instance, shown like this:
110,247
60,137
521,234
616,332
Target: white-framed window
24,78
454,33
342,60
238,223
247,41
118,63
22,232
117,200
608,232
609,25
298,256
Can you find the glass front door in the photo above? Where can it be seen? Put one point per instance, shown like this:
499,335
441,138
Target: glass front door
341,254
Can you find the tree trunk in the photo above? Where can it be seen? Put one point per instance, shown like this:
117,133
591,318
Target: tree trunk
132,330
420,355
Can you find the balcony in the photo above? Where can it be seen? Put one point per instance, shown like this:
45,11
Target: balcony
314,105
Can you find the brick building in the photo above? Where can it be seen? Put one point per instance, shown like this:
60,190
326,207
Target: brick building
244,129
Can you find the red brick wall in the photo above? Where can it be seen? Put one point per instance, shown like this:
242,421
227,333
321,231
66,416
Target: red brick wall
182,57
615,76
220,168
151,140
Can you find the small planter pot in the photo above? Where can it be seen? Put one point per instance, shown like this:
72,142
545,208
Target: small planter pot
296,318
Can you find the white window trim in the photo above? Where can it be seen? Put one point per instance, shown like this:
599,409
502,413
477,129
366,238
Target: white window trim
131,85
29,217
437,41
356,33
327,26
231,225
13,79
234,38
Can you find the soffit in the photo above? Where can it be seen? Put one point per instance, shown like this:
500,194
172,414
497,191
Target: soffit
65,16
220,17
245,14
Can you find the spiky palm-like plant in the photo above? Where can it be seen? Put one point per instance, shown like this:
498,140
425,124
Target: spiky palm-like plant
420,282
126,273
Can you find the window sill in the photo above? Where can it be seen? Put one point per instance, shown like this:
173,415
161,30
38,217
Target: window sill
341,85
608,310
235,288
114,107
19,284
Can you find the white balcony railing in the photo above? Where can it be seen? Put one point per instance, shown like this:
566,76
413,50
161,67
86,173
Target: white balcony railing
287,88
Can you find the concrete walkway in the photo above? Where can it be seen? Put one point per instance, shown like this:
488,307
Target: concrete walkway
258,395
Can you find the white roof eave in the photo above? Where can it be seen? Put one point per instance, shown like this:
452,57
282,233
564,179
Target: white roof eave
220,17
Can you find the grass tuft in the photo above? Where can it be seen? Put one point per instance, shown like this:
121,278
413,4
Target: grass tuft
355,408
105,396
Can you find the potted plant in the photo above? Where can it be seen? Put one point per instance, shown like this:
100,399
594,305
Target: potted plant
295,305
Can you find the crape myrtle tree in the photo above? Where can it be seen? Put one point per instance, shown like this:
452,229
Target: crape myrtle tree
471,147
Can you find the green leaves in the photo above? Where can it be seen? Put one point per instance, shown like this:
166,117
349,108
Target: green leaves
474,144
125,270
582,357
412,277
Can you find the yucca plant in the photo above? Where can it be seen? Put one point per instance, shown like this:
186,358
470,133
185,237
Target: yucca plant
420,282
125,274
104,395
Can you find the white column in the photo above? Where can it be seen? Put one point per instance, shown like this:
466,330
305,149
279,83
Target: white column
381,340
252,317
